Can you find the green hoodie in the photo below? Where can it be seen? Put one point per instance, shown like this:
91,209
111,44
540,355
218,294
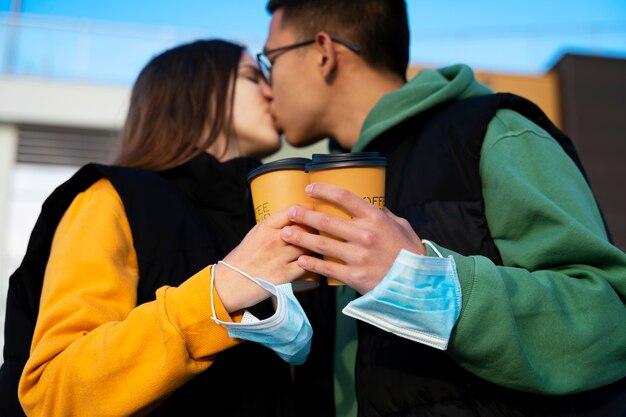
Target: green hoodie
553,319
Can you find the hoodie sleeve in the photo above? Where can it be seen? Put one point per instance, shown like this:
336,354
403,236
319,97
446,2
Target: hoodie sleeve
553,319
94,351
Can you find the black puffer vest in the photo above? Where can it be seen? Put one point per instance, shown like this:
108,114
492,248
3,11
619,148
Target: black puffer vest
433,181
181,220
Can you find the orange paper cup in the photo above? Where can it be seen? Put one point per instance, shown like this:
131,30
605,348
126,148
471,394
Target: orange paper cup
363,173
278,185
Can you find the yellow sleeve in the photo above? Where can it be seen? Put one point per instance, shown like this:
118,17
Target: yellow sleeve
95,352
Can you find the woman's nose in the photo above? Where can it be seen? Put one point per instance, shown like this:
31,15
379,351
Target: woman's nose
266,90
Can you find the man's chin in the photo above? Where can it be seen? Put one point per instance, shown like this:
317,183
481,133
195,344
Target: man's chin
294,141
295,138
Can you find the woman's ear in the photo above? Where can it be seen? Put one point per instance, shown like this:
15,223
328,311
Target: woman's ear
327,56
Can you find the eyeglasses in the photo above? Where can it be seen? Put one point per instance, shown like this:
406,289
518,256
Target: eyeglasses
265,63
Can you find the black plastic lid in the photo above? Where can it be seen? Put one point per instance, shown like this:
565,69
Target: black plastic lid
278,165
340,160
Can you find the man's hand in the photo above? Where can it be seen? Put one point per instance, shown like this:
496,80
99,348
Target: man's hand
369,242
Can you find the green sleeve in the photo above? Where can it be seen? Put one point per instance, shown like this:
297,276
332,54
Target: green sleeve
553,319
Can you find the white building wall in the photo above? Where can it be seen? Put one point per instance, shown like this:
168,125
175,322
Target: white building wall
57,103
24,187
8,146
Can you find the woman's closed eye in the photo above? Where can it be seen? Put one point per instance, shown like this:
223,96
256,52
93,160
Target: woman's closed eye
251,73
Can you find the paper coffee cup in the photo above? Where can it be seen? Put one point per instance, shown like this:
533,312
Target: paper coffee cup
277,185
363,173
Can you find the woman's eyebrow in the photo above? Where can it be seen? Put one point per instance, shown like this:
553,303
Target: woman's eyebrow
250,67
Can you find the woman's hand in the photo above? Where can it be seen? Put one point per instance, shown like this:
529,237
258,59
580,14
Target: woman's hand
263,254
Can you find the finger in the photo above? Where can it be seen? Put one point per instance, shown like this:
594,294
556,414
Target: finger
286,252
262,250
325,268
322,245
351,203
278,219
333,225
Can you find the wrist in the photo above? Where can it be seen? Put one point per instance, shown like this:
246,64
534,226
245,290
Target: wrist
235,290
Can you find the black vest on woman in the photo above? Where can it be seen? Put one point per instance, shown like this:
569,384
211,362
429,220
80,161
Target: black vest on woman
181,220
433,181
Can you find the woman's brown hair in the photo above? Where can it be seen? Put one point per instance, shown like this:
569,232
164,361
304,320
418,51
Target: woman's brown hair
180,103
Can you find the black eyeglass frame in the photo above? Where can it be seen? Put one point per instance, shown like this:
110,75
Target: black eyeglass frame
265,63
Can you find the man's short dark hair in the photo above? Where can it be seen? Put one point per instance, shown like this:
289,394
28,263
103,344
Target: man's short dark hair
379,27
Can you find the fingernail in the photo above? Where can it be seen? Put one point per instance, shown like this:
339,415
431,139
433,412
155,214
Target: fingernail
309,188
302,262
292,212
287,231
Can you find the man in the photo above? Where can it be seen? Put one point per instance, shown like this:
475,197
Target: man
517,309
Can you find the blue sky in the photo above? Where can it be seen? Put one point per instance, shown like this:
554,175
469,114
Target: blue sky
509,36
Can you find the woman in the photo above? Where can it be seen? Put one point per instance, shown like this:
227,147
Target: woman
125,324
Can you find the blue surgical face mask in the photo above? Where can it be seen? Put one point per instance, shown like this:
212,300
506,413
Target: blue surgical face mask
419,299
287,332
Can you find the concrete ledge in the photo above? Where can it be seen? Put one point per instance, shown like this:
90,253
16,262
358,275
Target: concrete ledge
58,103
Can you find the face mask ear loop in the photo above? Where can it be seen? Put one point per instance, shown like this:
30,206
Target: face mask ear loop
214,316
250,277
432,246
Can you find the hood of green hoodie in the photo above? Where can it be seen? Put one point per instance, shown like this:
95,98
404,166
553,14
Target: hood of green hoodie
429,88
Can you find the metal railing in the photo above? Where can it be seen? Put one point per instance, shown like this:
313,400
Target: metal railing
66,48
111,52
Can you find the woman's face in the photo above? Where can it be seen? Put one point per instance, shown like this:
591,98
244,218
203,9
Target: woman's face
253,125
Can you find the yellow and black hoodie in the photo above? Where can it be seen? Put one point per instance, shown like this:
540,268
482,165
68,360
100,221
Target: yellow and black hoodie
124,323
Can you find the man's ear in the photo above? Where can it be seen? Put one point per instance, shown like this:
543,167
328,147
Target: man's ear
327,56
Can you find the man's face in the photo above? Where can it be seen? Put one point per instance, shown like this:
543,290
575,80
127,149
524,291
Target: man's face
295,97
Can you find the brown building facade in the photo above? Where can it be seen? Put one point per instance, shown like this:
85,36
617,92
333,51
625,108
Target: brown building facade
593,110
586,97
